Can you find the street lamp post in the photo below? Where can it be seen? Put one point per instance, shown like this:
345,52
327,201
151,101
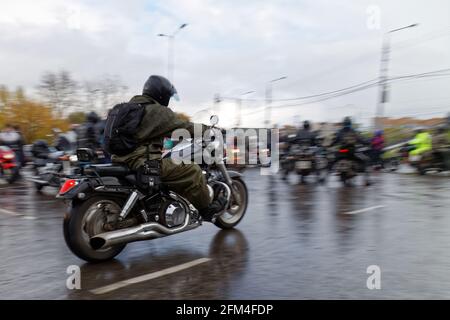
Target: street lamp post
269,100
384,67
171,53
239,107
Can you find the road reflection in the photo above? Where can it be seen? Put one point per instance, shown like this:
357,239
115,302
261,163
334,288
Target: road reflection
228,251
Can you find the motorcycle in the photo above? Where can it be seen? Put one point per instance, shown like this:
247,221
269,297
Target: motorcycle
49,165
305,159
346,166
9,168
429,161
111,206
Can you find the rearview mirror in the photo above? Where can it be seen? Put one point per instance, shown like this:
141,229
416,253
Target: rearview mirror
214,120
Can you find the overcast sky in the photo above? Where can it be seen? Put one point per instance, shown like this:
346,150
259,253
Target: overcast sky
231,47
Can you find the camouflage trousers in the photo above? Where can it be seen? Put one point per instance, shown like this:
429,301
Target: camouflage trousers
185,179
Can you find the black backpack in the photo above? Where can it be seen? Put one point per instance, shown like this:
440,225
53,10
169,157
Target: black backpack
121,126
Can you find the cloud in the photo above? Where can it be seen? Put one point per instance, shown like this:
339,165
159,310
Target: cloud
230,47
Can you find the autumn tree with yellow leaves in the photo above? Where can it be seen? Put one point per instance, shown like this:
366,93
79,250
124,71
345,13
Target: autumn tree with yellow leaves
34,119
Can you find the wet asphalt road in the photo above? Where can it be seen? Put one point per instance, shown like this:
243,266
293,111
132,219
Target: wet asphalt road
296,242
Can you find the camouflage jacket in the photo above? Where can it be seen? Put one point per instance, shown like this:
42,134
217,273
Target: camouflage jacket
157,123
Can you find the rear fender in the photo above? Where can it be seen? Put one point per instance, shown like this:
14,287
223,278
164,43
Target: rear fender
234,174
84,186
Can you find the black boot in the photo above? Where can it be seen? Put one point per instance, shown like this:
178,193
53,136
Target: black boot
218,205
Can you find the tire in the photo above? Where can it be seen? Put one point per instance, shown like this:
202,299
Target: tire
77,230
228,219
344,179
38,186
302,178
13,175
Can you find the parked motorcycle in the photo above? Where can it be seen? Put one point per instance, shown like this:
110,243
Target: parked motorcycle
9,168
110,205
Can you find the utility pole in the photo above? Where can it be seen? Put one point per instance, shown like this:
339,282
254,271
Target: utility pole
171,52
239,108
268,112
383,95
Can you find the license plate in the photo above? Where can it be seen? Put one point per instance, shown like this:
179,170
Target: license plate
303,165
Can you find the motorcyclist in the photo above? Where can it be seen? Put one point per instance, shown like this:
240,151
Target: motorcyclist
71,136
61,143
11,138
348,137
305,135
421,143
158,122
377,146
88,135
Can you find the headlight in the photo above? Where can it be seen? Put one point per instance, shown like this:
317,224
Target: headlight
8,156
73,158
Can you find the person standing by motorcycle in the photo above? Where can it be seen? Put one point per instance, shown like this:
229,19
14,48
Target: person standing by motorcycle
158,122
348,138
377,146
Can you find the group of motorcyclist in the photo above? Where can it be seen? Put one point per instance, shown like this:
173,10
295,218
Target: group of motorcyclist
88,135
347,138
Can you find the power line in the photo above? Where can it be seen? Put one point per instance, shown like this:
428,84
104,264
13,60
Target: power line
355,88
443,32
364,85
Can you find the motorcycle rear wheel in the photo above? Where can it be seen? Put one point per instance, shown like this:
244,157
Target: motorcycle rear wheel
86,219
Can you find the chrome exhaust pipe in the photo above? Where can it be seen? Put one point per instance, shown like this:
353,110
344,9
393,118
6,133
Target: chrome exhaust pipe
42,182
145,231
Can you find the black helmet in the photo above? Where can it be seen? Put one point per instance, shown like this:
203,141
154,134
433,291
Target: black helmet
160,89
92,117
306,125
347,123
40,144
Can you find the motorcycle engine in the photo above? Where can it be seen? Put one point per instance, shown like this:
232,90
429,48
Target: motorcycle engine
172,214
344,166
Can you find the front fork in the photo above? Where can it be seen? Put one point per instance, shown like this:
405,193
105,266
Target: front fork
229,181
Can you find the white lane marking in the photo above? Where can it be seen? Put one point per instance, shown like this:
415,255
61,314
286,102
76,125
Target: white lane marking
364,210
29,218
9,212
15,214
148,276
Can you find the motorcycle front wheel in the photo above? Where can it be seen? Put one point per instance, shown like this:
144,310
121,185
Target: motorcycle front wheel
236,211
87,219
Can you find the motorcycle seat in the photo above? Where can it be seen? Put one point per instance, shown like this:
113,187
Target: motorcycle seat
109,170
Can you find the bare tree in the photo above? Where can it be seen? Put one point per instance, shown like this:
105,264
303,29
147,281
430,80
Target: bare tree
59,90
91,92
112,91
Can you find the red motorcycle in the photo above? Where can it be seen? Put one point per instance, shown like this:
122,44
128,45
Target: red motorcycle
9,169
